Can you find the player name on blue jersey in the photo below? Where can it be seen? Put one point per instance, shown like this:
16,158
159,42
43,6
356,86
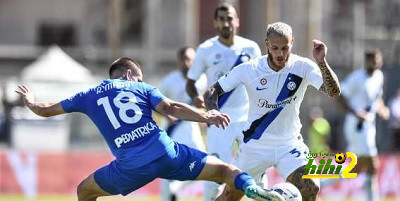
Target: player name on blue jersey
118,85
134,134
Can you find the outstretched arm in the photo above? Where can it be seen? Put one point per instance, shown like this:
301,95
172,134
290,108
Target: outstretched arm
42,109
211,96
187,112
331,84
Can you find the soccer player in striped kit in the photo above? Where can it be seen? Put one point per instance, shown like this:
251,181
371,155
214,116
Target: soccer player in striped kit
276,84
215,57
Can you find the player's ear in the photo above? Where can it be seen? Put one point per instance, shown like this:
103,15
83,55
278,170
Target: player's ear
291,42
128,75
237,22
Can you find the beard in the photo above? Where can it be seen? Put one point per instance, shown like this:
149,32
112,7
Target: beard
225,33
272,60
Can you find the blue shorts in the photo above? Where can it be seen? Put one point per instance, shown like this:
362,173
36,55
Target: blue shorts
186,164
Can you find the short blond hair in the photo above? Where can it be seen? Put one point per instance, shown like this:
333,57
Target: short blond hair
279,28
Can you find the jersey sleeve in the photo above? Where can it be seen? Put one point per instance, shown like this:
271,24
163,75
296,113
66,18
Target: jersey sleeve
234,77
199,65
154,95
75,103
314,75
257,51
201,84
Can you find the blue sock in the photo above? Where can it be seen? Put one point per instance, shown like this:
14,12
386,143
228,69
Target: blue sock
243,180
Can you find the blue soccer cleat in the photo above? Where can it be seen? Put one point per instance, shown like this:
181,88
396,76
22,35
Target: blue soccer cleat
257,193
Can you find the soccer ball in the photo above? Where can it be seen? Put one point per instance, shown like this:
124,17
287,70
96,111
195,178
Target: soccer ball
288,191
340,158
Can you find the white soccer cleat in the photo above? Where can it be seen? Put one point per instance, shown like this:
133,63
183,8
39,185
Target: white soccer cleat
257,193
288,191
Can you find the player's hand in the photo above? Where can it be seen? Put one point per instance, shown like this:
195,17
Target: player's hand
319,51
171,119
198,101
27,96
361,115
218,119
384,113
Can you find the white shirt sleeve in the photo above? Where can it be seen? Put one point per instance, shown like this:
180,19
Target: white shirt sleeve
201,84
257,51
199,65
314,75
234,77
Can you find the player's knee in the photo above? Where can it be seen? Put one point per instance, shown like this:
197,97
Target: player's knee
80,190
83,192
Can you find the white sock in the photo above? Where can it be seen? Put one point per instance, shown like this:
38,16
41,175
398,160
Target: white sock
264,181
371,188
165,190
210,191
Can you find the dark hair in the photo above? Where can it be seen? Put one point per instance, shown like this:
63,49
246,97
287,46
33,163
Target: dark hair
224,7
182,51
371,52
121,65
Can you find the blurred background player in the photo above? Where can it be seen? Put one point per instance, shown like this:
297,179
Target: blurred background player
319,131
362,99
276,84
394,121
142,150
215,57
185,132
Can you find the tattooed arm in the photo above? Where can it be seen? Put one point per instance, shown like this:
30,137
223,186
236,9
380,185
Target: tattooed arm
331,84
211,96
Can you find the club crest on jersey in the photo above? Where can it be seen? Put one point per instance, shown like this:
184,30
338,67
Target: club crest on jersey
218,56
244,57
291,85
263,81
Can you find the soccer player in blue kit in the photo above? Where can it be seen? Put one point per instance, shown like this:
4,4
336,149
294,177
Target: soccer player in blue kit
121,108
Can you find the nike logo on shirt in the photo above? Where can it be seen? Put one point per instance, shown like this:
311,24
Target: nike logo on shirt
216,62
259,89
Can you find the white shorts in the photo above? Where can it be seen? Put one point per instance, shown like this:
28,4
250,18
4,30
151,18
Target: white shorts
188,133
254,158
361,142
220,142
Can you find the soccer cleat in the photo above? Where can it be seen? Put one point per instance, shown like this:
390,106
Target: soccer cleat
257,193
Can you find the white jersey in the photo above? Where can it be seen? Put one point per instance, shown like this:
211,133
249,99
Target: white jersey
362,91
214,60
274,97
173,86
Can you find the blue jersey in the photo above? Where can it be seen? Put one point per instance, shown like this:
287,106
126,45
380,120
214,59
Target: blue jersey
122,111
